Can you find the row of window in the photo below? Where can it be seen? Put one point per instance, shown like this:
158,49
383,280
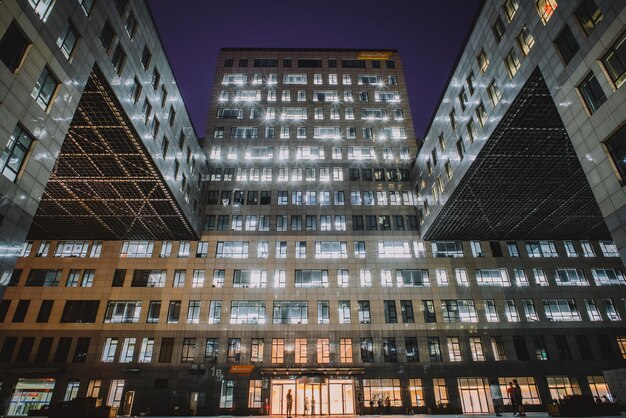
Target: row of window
311,223
332,79
301,113
320,277
335,97
305,351
310,198
310,63
293,174
296,311
454,249
319,132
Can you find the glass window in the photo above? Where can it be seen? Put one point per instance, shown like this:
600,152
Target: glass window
614,60
45,89
545,9
591,93
512,63
67,41
566,44
15,154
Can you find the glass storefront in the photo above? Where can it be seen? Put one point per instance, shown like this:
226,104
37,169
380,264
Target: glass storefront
30,394
318,396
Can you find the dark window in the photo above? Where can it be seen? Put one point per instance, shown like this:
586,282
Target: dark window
266,62
357,223
86,5
498,29
82,347
591,92
243,62
20,310
372,222
412,352
4,308
521,351
173,312
616,147
23,354
209,222
266,197
309,63
287,62
43,351
16,152
118,277
44,311
566,44
496,249
390,352
131,25
391,316
406,307
119,59
107,36
434,349
63,349
167,349
354,174
332,63
398,221
367,350
562,347
80,311
13,47
367,174
7,349
15,277
352,63
375,63
43,278
154,312
146,56
390,64
412,220
213,197
541,352
429,311
583,347
615,61
605,347
588,15
228,62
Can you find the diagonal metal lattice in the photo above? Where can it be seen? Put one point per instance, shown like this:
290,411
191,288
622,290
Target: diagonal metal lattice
526,182
104,184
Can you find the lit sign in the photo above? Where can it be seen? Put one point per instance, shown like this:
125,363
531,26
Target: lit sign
374,55
241,369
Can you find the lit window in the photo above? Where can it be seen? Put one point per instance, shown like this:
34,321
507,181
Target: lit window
510,8
545,9
494,93
483,61
525,40
43,7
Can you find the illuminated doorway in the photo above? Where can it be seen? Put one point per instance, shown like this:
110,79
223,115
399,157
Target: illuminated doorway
321,396
475,395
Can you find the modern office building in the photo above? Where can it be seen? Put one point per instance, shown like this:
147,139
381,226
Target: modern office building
315,273
95,140
530,128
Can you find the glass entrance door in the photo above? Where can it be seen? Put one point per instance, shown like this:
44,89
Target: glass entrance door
341,397
319,397
474,395
278,402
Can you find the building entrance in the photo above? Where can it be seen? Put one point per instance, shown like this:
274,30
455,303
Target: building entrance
475,395
320,396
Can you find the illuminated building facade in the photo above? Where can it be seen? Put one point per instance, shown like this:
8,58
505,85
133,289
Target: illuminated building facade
313,272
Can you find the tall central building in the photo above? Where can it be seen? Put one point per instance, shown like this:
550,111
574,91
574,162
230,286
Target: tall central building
330,263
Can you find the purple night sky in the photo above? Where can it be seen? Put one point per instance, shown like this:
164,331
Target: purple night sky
427,34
